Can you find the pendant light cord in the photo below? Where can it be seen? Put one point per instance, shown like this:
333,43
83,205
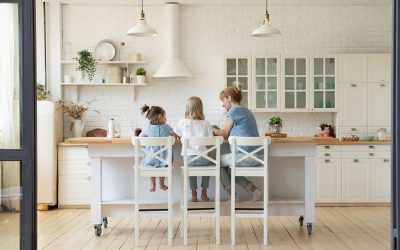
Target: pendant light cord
266,5
142,6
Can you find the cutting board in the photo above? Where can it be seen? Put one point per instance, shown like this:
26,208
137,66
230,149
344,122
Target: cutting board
276,135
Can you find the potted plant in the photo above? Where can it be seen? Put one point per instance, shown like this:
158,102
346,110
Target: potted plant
86,63
41,92
76,111
275,124
140,74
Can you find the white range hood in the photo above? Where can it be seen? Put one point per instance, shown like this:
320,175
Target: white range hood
172,67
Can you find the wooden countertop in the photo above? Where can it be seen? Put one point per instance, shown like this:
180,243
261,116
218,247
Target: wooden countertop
316,140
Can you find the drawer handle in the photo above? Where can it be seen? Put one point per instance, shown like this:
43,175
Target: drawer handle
88,178
353,129
354,85
386,160
327,154
371,154
88,163
355,160
327,160
327,147
383,85
87,147
371,146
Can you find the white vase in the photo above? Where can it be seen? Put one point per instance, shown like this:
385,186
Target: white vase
77,128
140,80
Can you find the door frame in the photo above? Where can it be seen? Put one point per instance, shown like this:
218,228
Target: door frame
26,155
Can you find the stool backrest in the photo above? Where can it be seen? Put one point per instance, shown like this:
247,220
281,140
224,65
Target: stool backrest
214,143
165,144
260,144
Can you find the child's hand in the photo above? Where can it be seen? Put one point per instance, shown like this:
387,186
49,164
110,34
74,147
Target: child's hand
177,137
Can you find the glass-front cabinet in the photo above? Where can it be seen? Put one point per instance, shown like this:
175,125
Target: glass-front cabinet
237,73
324,84
295,84
266,80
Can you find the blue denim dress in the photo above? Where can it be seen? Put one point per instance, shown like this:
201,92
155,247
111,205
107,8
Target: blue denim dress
162,130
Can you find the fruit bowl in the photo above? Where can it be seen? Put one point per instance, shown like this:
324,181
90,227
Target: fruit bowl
368,137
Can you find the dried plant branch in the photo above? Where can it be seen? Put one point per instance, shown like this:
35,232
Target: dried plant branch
76,110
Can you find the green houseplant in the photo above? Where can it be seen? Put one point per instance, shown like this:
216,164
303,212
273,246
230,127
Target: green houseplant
41,92
140,75
86,63
275,124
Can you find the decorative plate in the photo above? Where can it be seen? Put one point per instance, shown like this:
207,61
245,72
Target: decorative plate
106,50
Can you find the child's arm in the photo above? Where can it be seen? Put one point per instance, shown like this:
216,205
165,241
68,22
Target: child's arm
226,131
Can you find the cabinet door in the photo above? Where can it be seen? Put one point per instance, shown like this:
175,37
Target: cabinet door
324,84
328,180
355,180
295,84
353,68
74,190
266,89
380,180
237,73
353,104
379,68
379,104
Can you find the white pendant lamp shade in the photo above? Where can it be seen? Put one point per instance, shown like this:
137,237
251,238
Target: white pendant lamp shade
141,28
266,29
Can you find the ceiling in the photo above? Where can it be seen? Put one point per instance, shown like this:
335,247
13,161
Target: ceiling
229,2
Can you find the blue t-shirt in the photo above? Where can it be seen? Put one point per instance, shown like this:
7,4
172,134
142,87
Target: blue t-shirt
244,124
162,130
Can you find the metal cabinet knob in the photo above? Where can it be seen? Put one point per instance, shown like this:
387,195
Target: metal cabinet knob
353,85
371,146
327,160
327,154
353,129
355,160
327,147
371,154
386,160
383,85
88,178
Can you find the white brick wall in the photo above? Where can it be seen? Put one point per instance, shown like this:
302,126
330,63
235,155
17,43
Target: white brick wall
208,33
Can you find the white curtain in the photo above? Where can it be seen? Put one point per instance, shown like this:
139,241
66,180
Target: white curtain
9,103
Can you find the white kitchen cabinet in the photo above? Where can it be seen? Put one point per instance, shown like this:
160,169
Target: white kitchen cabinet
353,68
238,73
380,180
74,177
355,180
379,68
379,104
323,84
266,88
353,110
328,172
295,84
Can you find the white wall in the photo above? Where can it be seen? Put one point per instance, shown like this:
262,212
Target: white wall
208,33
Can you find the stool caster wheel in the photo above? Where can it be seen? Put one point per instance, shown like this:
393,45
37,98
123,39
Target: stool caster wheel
97,230
105,222
309,228
301,220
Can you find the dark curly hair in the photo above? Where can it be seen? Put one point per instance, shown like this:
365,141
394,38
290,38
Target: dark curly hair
153,113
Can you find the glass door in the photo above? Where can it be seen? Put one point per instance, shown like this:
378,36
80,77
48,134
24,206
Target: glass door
295,84
265,95
237,73
323,89
17,126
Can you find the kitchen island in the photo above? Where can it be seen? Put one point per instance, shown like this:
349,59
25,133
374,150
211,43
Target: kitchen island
291,179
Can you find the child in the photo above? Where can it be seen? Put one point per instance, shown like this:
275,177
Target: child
157,128
194,125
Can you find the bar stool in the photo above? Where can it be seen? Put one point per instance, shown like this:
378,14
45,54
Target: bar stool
260,170
140,144
213,143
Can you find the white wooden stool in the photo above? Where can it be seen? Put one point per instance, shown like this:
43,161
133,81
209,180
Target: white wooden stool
140,144
213,143
260,170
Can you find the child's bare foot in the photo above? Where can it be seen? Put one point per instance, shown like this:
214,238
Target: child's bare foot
163,186
204,196
194,196
152,184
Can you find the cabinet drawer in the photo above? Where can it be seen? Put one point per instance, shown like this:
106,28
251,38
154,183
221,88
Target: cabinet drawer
74,167
366,148
74,190
329,148
328,154
71,152
353,130
365,155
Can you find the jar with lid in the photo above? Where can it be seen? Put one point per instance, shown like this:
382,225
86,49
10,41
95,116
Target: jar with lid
381,134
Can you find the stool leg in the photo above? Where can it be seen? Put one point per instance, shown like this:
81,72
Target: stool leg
181,204
217,211
233,205
185,208
170,210
137,208
265,210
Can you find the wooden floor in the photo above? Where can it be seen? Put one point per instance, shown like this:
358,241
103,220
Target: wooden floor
335,228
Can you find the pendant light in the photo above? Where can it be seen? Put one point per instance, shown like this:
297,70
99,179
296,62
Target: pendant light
141,28
266,29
